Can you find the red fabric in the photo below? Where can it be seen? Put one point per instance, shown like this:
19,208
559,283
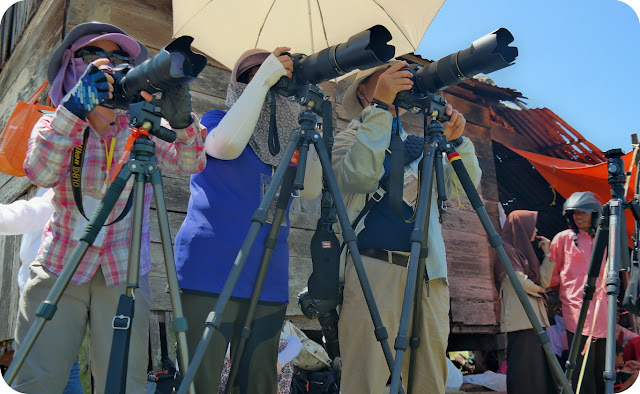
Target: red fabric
632,350
568,177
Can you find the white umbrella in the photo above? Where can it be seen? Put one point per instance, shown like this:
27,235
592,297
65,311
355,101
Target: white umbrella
224,29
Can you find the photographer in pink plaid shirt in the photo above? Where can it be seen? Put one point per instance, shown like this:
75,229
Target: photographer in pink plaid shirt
80,85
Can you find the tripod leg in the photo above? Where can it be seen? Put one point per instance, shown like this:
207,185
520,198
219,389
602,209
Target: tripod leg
616,219
257,221
600,244
270,245
48,307
349,237
418,235
123,320
496,242
179,323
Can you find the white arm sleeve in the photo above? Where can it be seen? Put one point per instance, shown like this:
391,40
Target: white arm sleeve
22,216
230,137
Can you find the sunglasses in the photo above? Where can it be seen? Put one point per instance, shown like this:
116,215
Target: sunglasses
90,54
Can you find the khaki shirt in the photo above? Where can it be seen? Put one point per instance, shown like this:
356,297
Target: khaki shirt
357,161
513,316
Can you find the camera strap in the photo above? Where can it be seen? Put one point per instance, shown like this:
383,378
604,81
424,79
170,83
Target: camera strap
273,140
77,161
396,174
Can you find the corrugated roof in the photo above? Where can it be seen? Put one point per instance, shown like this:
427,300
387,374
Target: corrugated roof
551,134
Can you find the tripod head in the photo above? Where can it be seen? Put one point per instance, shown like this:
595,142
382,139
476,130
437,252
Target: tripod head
615,168
147,116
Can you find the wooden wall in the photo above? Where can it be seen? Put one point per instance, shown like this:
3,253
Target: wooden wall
473,296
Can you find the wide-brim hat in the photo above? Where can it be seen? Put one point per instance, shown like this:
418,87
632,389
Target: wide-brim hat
94,31
350,101
250,58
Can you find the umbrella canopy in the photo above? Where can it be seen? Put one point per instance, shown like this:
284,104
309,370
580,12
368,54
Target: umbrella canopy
223,29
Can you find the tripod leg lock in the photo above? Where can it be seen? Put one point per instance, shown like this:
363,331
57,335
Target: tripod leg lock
543,337
180,324
494,240
414,343
381,333
46,310
417,236
348,235
609,375
271,242
424,253
401,343
260,216
570,366
245,332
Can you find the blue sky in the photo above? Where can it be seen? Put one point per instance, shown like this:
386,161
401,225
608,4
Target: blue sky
581,59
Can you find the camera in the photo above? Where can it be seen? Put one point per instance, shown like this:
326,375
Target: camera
363,50
486,54
174,65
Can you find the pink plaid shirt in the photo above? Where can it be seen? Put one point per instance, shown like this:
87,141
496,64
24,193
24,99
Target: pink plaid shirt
48,165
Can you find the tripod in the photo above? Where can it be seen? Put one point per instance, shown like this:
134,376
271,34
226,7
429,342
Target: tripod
435,144
610,235
313,100
142,165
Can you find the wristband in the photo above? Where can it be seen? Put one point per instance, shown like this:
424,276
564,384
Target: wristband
379,104
457,142
546,255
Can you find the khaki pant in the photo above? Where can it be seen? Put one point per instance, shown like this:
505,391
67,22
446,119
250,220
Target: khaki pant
46,368
257,367
364,368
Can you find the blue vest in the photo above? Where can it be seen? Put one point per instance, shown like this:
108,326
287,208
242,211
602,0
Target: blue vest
223,199
383,229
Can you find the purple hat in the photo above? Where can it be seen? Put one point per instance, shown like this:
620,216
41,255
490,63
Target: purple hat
89,32
252,57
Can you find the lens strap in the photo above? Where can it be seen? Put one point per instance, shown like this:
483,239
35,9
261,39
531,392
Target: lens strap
273,141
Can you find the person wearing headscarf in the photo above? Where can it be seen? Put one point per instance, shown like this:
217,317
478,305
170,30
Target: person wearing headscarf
224,197
81,86
528,369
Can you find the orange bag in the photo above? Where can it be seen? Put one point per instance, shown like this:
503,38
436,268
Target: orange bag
15,136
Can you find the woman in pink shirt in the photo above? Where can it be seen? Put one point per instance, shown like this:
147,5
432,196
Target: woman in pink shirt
571,250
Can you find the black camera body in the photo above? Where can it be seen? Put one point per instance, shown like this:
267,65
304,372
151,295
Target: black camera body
174,65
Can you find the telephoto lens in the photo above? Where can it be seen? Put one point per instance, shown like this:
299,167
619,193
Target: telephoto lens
485,55
364,50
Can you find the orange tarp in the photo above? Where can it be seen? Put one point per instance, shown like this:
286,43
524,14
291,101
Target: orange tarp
567,177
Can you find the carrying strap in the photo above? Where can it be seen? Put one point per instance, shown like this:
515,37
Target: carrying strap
38,92
77,160
119,358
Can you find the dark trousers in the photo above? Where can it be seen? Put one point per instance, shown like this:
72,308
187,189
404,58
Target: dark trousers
257,368
528,370
593,380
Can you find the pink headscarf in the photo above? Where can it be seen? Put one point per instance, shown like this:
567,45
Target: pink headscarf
72,68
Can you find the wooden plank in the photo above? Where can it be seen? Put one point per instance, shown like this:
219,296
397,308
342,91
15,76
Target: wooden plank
160,300
299,271
154,337
511,138
171,335
21,76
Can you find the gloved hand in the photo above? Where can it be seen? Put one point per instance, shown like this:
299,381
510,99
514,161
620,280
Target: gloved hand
175,106
93,88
